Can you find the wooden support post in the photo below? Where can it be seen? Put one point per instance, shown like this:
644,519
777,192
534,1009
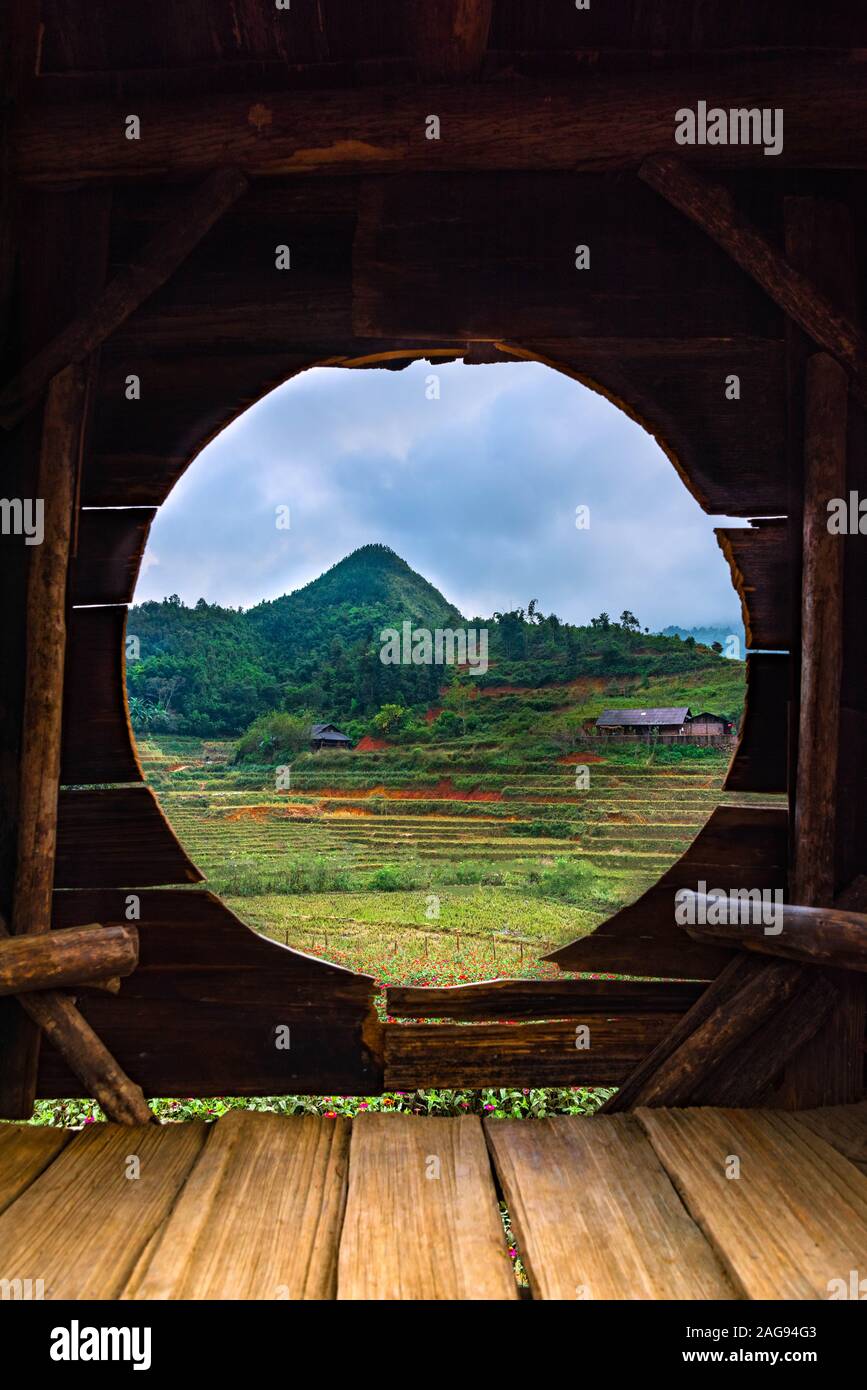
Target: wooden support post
75,955
820,242
812,878
711,207
39,777
167,249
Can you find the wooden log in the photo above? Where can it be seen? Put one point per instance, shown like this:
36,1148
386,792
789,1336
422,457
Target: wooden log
85,1054
821,634
515,1000
815,935
747,1075
740,970
171,245
78,955
712,208
39,777
609,119
719,1055
447,40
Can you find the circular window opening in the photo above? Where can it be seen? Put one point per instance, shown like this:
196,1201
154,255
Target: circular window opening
437,667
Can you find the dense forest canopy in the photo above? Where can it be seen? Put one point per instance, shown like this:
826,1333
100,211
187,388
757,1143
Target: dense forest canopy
208,670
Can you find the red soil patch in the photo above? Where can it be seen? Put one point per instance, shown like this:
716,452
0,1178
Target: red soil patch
368,744
445,790
263,813
433,713
580,758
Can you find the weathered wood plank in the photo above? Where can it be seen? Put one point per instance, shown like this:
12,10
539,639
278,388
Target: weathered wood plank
595,1215
439,1233
758,557
83,1223
791,1184
68,957
203,975
612,119
530,1054
137,847
97,744
712,208
514,1000
447,41
25,1152
760,761
111,543
195,215
844,1127
259,1216
646,267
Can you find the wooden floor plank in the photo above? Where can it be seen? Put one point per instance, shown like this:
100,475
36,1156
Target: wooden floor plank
25,1152
82,1224
794,1219
844,1127
421,1217
595,1215
259,1217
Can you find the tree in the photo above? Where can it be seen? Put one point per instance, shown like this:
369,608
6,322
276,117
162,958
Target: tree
603,622
459,700
389,720
629,621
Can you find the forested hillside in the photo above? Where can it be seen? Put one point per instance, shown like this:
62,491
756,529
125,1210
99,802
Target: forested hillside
209,670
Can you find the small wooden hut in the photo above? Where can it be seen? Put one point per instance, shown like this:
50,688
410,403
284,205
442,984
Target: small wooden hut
666,202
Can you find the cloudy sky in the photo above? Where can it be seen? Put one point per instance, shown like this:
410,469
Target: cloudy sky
477,490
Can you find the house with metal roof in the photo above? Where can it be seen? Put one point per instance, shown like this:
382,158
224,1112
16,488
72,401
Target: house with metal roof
669,719
328,736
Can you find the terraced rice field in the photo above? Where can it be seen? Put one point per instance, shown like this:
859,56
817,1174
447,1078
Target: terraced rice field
436,864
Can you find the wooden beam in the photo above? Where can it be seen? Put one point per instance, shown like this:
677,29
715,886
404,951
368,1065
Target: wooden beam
167,249
447,39
711,207
526,1054
815,935
537,999
611,120
827,393
713,1045
77,955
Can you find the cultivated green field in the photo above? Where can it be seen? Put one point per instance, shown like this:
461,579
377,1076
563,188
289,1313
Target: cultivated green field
435,864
